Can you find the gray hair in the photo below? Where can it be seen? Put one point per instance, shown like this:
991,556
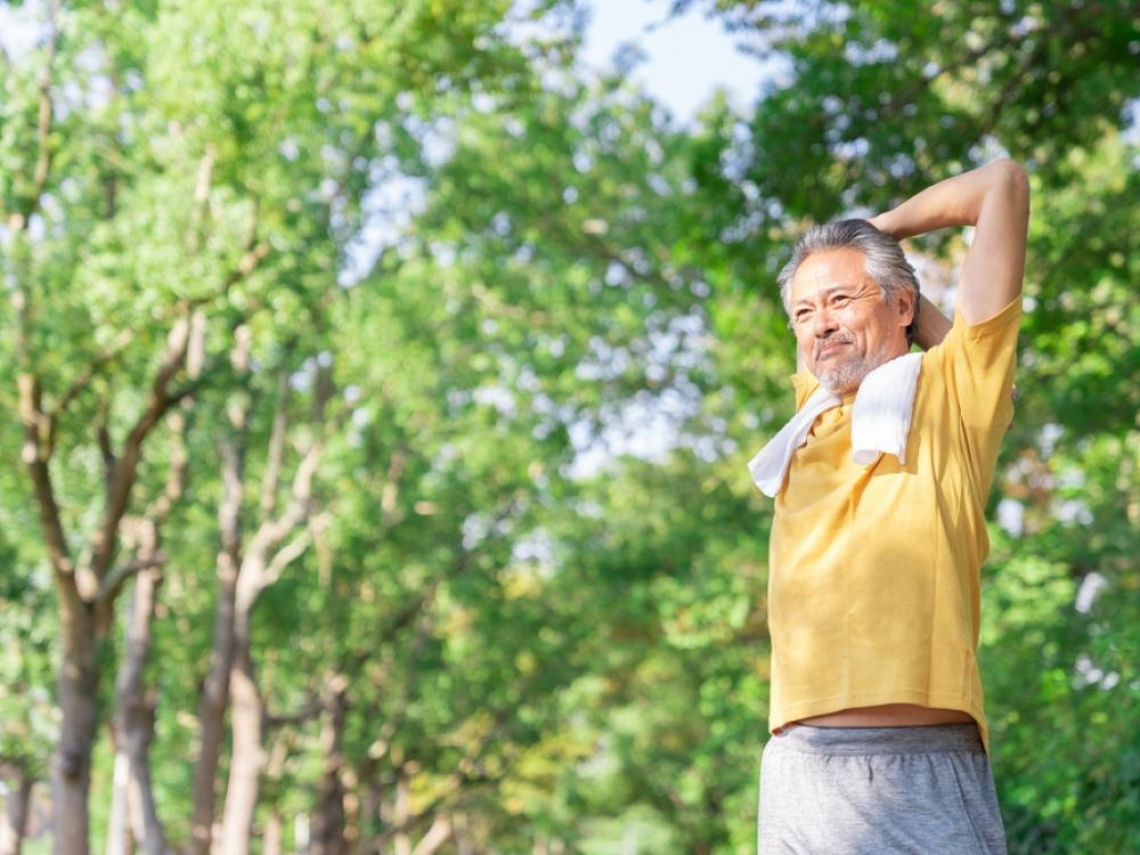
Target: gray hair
883,260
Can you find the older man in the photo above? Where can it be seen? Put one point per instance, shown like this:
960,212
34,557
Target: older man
880,743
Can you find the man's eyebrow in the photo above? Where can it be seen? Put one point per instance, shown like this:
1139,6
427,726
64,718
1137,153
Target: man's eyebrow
826,292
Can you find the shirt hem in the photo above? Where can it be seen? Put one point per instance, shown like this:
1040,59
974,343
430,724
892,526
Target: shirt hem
823,706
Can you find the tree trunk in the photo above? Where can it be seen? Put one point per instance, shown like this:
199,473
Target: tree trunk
77,686
246,755
460,833
133,727
273,835
245,571
546,845
371,802
436,836
329,822
402,815
212,710
86,591
216,689
14,820
118,842
271,840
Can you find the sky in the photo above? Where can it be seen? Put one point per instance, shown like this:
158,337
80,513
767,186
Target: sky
687,58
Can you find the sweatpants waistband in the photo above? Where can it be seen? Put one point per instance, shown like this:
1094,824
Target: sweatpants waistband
926,739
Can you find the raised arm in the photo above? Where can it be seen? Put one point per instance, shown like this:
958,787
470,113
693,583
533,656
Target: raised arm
932,324
995,200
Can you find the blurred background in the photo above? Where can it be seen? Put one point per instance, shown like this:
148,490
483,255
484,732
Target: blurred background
380,379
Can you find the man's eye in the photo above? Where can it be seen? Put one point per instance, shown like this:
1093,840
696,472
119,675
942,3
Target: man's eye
841,300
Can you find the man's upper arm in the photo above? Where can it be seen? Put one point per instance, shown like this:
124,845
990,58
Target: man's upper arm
995,262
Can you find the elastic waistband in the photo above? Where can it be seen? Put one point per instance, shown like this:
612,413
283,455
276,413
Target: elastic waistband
927,739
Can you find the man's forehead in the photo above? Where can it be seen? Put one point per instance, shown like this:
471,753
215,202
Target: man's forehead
823,272
808,293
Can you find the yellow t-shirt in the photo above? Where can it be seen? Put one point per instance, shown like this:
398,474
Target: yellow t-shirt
873,587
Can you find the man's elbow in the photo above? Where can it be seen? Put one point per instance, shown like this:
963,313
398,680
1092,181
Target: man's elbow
1012,181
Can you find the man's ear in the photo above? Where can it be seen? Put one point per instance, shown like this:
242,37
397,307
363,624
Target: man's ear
905,301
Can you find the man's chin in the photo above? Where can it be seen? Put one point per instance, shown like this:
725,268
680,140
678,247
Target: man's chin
843,380
846,376
834,389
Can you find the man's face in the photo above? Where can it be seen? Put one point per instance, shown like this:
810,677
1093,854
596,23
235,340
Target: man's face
844,328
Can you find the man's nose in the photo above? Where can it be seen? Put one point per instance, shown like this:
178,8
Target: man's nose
823,324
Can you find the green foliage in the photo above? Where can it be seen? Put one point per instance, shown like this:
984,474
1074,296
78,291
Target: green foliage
537,566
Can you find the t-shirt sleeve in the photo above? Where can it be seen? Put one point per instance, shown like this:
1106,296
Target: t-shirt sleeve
976,362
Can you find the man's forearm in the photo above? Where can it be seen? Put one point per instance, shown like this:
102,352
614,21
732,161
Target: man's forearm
994,199
932,325
957,201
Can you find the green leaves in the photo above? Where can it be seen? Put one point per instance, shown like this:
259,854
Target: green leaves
537,564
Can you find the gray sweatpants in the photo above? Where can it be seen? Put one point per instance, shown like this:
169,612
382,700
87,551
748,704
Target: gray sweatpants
878,791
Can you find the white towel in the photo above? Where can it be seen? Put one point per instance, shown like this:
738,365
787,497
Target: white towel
880,422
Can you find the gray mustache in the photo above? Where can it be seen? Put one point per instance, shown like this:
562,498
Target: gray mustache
834,339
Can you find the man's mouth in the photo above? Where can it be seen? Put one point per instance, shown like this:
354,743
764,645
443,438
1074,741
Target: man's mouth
829,347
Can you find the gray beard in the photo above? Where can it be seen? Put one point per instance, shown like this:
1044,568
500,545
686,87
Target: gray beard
847,376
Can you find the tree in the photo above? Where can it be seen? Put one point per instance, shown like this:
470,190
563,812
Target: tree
519,602
244,199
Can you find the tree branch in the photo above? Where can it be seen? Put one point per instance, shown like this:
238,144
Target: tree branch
436,836
201,199
275,455
43,122
306,712
36,452
36,458
285,556
158,510
273,532
103,440
111,583
254,253
126,468
83,381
